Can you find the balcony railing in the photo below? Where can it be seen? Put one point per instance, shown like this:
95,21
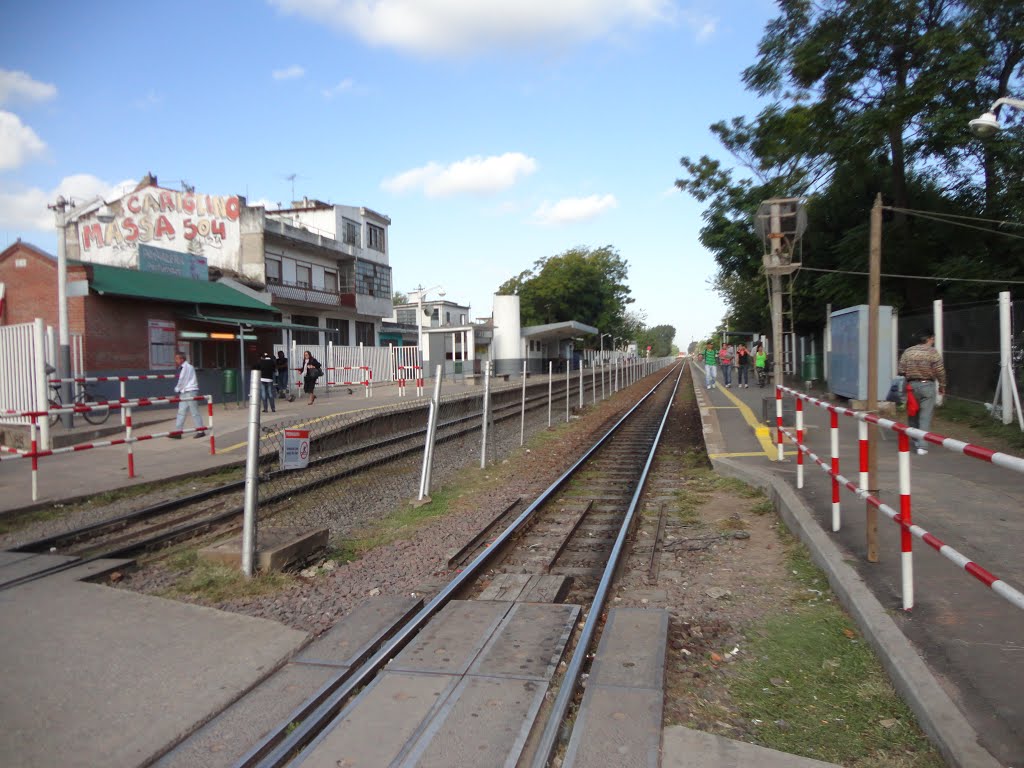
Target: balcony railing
302,292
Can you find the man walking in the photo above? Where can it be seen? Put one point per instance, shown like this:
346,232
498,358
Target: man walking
267,371
922,366
710,363
187,387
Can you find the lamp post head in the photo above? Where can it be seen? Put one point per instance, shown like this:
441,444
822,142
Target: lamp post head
986,126
105,214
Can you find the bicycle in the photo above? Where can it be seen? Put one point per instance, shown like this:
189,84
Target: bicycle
96,415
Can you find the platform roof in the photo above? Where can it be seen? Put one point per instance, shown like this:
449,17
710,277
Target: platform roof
553,331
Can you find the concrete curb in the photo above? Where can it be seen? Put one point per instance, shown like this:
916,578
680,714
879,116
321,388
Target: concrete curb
936,713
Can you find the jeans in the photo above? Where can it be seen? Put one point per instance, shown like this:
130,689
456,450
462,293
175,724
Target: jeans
727,374
709,375
924,391
282,379
743,375
268,396
185,407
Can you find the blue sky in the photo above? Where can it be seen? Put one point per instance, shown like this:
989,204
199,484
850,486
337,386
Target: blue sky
492,132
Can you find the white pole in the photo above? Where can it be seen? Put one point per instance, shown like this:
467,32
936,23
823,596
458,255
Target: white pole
551,379
895,361
1005,362
937,325
428,448
252,459
581,385
568,386
486,415
42,387
827,342
522,414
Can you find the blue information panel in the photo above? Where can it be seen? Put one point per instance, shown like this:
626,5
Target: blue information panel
165,262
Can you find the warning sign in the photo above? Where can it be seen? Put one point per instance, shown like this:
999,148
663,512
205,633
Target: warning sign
295,453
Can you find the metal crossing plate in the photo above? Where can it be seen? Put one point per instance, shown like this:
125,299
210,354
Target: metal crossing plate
528,643
452,640
351,641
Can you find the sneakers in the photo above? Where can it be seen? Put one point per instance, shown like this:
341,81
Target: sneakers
922,451
198,436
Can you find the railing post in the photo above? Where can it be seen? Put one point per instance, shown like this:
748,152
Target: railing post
581,385
126,416
428,449
209,423
862,440
568,386
799,442
834,430
906,539
484,423
778,420
551,379
252,460
522,414
34,444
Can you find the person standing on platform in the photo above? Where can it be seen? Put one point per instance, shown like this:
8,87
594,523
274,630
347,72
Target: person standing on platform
281,367
187,387
922,366
761,365
742,366
311,371
267,368
725,360
710,364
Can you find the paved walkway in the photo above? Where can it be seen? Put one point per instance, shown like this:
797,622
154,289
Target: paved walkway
971,639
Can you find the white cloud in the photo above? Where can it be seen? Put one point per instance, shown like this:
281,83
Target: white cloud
472,175
24,210
18,142
703,25
270,205
288,73
464,26
20,85
572,209
345,85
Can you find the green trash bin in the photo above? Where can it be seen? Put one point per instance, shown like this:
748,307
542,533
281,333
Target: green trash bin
230,381
810,368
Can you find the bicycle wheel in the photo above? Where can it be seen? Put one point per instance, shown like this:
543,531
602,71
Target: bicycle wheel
54,417
96,415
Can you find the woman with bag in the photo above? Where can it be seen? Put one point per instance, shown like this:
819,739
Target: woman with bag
311,372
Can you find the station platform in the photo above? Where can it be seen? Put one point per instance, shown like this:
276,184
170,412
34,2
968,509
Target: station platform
957,657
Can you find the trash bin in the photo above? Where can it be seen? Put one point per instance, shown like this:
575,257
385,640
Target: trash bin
458,367
230,381
810,368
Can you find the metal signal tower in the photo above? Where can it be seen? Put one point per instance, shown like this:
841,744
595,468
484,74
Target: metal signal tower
781,223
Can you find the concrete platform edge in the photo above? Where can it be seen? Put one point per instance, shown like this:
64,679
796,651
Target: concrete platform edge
937,715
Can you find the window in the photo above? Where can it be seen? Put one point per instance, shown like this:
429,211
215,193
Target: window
462,319
375,237
349,232
273,271
330,280
303,275
306,337
373,279
407,316
447,318
364,334
342,326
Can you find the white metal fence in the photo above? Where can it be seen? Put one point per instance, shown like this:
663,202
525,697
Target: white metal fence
383,362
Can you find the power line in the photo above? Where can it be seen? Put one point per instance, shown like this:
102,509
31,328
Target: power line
919,277
957,216
948,219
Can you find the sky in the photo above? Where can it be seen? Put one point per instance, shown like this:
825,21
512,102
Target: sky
493,133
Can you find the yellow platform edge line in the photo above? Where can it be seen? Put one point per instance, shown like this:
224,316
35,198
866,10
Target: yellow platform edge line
761,432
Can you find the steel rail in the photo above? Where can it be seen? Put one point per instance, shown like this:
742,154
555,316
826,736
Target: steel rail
567,689
277,748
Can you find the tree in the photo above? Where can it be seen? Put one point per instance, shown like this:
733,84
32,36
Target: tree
581,284
659,339
399,298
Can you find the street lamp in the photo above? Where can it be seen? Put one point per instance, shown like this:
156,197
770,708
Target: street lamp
63,217
987,126
420,292
602,344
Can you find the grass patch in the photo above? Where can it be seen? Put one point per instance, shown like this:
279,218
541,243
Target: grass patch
977,417
217,583
12,523
764,506
818,690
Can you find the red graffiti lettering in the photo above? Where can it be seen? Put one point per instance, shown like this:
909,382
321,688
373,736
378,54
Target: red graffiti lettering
91,233
190,229
133,204
163,227
166,201
232,208
145,230
131,230
217,228
188,204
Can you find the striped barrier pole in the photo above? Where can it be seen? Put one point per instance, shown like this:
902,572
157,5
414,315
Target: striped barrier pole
862,441
369,381
209,417
778,419
124,396
33,429
401,381
127,412
834,430
799,440
906,540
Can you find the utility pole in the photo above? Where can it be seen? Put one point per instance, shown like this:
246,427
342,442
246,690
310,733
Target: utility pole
874,289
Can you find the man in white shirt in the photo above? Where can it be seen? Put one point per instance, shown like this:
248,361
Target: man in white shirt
187,386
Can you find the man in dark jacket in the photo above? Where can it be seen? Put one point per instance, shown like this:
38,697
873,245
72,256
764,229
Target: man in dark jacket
267,370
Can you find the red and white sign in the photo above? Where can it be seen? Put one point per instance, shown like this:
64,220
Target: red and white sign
295,452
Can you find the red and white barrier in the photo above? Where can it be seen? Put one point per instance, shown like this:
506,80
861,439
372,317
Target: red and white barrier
416,371
128,440
366,381
902,517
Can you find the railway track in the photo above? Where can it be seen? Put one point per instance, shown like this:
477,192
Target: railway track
575,533
218,511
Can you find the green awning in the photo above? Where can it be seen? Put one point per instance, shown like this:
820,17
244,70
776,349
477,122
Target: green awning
118,281
260,323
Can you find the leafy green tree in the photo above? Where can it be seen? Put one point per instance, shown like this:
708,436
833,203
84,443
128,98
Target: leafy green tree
659,339
581,284
399,298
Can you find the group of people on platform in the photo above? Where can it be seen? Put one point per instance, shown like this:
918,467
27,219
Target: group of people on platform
734,356
274,373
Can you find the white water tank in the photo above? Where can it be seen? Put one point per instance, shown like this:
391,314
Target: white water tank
508,342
